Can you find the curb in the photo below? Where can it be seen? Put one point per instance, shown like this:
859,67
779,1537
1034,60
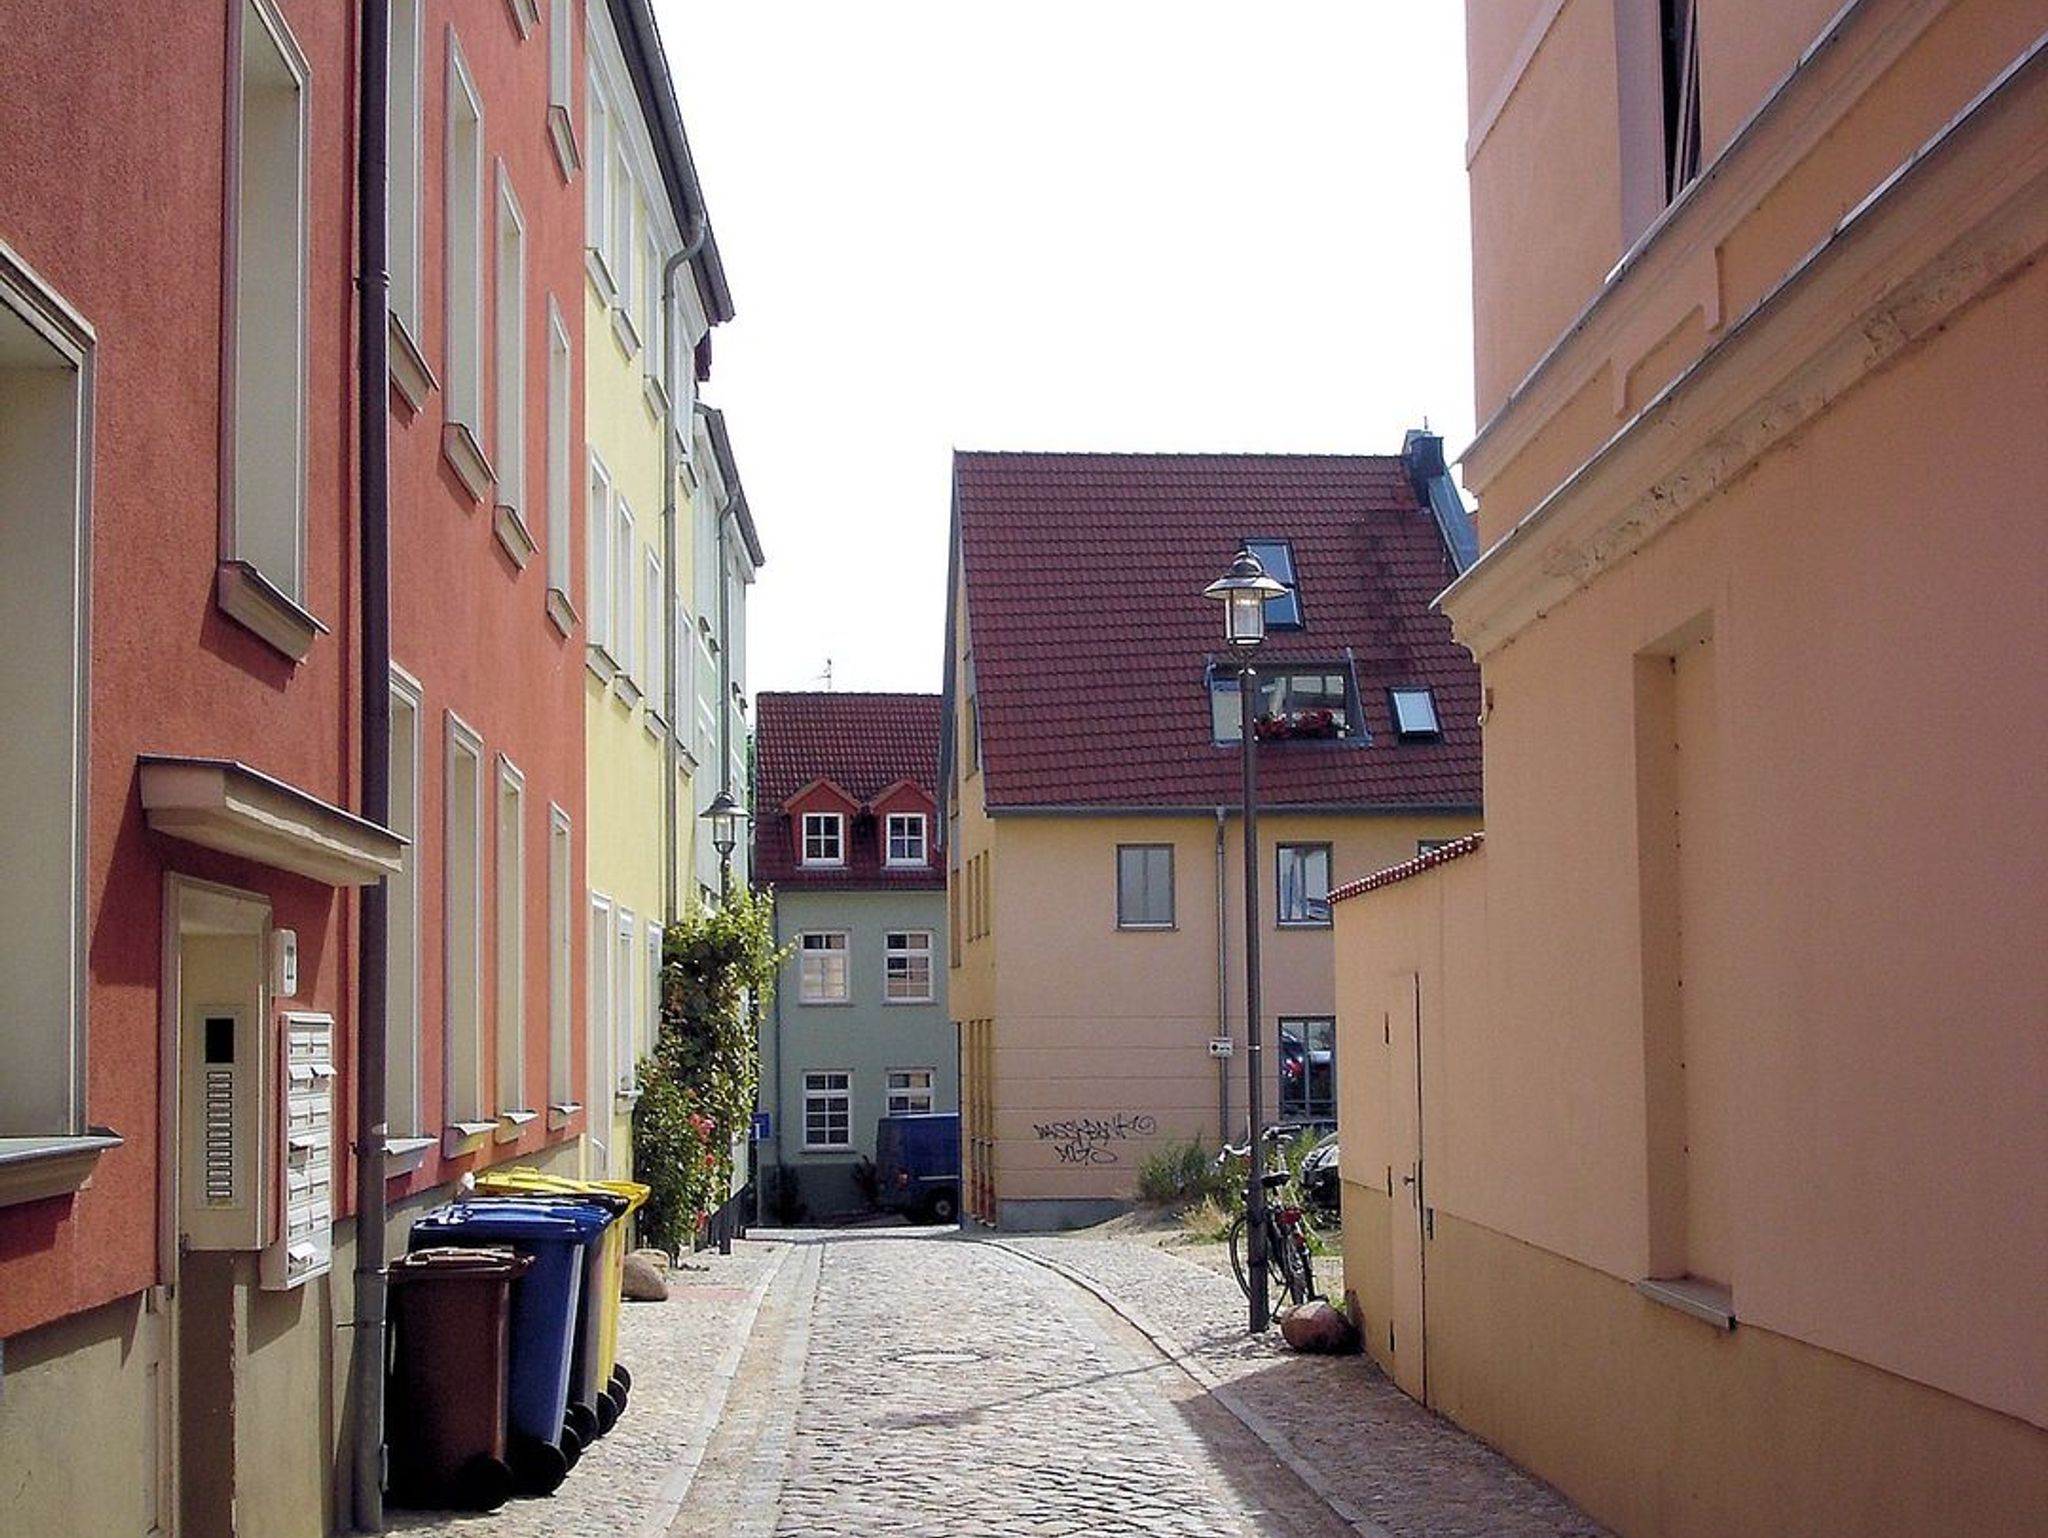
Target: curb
1163,1340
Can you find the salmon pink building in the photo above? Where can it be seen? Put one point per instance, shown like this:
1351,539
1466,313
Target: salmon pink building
1694,1119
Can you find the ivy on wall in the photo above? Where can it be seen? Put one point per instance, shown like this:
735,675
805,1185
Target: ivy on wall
697,1088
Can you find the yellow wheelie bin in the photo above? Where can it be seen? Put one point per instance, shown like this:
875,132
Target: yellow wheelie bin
523,1180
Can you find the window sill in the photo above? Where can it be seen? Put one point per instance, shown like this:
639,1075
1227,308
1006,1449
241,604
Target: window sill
460,448
513,534
525,16
824,1003
562,612
562,1112
1301,923
1147,929
1708,1302
562,135
908,1003
821,865
600,662
511,1124
600,274
252,601
410,373
656,727
404,1155
625,1099
34,1169
655,396
461,1138
629,691
624,332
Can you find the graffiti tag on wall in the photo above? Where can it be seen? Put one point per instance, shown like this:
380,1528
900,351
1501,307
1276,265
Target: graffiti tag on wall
1089,1139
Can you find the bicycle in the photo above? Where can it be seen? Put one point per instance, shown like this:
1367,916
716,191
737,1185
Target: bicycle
1289,1275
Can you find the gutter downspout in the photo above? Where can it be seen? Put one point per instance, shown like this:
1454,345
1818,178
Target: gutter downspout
1222,988
671,828
373,406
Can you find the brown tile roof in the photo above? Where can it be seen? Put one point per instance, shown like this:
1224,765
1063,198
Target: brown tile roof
1089,631
1443,854
862,743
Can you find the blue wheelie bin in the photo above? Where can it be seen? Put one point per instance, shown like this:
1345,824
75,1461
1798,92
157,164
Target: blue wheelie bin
591,1410
541,1340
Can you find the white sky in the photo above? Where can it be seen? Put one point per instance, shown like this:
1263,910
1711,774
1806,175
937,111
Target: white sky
1055,224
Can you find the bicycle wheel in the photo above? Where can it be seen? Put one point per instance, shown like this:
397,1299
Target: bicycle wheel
1292,1262
1240,1256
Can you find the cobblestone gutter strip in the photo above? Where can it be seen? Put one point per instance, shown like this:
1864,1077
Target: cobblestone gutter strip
1170,1347
1371,1453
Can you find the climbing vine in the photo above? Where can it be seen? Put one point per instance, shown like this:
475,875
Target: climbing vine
697,1088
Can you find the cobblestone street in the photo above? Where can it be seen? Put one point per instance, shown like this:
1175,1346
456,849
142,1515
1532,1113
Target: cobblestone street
897,1381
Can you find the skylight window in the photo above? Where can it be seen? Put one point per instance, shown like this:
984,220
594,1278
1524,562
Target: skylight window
1277,556
1415,715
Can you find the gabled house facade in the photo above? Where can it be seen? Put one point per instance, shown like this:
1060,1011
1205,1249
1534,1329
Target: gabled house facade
1090,789
847,839
1693,1121
655,286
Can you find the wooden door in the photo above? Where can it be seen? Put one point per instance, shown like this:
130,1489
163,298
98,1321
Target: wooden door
1410,1213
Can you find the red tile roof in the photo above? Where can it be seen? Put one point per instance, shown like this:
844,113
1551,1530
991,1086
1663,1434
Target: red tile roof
1090,634
1443,854
862,743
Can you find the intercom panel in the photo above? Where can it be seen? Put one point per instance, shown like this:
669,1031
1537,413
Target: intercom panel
225,1126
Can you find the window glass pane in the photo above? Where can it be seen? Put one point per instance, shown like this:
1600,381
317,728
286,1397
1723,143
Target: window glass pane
1415,713
1277,556
821,968
1144,885
1304,884
1308,1069
907,966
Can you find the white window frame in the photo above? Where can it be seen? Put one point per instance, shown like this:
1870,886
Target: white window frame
620,253
462,364
650,289
266,527
597,559
652,1027
652,650
835,823
910,820
824,969
462,923
598,1021
1416,719
597,186
625,584
403,178
626,1009
46,443
402,917
1296,902
901,955
561,492
562,86
508,444
908,1097
1126,922
829,1090
561,956
510,902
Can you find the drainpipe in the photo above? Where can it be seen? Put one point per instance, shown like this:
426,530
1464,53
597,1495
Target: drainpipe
373,406
671,828
1222,989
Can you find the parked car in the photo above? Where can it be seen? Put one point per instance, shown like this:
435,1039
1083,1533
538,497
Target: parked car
1320,1186
917,1165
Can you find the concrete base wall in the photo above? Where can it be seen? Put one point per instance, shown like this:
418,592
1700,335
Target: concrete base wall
1664,1427
1047,1215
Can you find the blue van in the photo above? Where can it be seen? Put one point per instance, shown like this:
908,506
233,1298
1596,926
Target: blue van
917,1165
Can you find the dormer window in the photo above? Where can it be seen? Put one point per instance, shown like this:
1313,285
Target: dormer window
906,839
1277,556
1415,717
824,838
1308,702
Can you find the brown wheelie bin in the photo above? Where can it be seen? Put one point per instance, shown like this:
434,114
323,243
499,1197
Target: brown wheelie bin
445,1412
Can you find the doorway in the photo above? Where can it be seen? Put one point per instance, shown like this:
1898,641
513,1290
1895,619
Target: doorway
1411,1216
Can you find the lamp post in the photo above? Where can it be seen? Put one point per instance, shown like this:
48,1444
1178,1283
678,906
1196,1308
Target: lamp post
1243,591
725,816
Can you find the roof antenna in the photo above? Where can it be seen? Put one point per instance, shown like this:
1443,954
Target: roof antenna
828,675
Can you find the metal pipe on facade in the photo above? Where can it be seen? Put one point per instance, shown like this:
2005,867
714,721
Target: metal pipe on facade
1222,983
373,407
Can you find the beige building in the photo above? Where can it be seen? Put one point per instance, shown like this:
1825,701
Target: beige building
1090,777
1694,1121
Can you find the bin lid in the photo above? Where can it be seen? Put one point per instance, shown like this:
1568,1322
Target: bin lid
449,1264
608,1202
588,1213
513,1222
525,1178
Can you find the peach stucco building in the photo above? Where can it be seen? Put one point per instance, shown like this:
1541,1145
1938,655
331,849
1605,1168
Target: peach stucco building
1091,795
1694,1119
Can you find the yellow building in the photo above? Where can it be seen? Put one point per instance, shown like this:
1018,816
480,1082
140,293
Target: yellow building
655,287
1694,1121
1091,776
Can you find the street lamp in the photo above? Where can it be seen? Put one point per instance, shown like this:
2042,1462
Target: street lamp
1243,591
725,816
